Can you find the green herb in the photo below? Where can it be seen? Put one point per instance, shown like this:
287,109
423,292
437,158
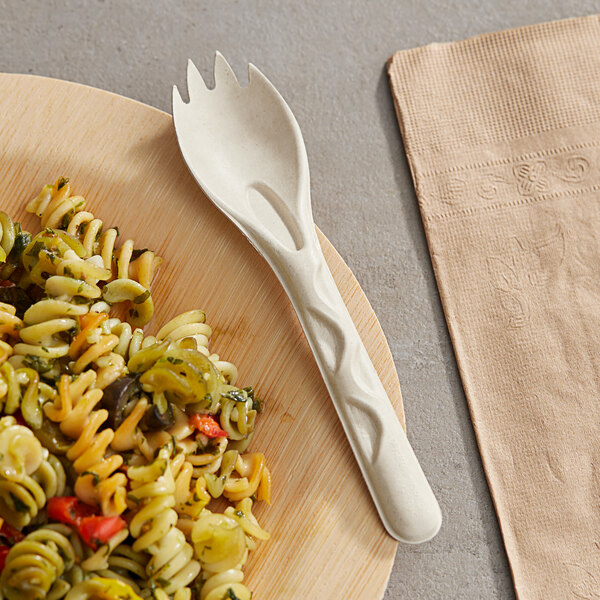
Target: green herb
22,240
240,514
35,249
214,450
39,364
133,498
235,395
62,181
230,594
142,297
64,224
174,361
95,476
20,506
62,553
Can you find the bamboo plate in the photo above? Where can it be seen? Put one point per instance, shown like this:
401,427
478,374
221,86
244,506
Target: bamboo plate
122,156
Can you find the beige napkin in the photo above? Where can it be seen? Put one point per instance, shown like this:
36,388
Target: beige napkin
502,133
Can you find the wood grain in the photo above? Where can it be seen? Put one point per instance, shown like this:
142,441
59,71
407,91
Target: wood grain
122,156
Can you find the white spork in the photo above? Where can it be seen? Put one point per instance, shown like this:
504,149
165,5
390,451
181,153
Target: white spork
244,147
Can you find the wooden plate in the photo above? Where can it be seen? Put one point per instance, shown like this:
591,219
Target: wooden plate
122,156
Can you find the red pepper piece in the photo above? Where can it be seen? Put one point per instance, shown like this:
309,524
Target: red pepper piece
10,534
4,550
96,531
69,510
207,425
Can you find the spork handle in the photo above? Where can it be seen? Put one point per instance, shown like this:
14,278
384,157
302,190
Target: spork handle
402,495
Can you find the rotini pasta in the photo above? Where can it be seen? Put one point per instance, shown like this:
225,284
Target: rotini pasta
58,210
34,567
29,474
21,389
127,566
171,566
99,420
98,481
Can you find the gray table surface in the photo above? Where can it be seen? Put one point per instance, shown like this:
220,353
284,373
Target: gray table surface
327,58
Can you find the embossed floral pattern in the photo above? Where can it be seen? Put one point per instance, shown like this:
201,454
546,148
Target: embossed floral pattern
528,177
574,169
489,184
525,263
531,177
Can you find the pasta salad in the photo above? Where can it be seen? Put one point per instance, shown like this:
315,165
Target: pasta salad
113,443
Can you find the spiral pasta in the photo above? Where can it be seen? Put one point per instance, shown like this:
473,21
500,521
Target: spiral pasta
21,389
29,474
220,545
127,566
34,566
10,324
42,333
98,420
58,209
98,481
154,526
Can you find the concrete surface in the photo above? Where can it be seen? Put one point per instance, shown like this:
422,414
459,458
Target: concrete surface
327,58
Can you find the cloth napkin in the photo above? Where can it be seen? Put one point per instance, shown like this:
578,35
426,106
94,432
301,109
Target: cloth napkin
502,133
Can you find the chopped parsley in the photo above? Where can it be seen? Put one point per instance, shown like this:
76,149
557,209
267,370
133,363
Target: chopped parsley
41,365
235,395
95,476
20,506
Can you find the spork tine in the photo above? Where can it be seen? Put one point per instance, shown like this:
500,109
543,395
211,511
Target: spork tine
244,147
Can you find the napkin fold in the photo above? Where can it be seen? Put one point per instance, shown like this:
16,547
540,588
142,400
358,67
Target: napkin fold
502,133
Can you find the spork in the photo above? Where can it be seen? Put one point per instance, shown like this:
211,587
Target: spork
244,147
